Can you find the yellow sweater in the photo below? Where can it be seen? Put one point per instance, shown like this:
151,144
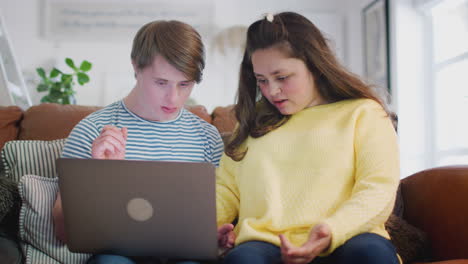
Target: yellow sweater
336,163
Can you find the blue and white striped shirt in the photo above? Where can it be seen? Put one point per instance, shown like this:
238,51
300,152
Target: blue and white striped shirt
187,138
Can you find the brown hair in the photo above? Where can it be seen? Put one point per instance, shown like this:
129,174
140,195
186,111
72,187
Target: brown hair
179,43
301,39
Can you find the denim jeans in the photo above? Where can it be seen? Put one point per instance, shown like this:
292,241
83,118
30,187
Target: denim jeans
115,259
365,248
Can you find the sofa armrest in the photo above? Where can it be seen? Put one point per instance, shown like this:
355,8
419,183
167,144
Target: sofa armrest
435,201
10,117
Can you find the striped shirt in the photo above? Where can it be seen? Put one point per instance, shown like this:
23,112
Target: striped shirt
187,138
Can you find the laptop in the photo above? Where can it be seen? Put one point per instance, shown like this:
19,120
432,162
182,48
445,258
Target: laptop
139,208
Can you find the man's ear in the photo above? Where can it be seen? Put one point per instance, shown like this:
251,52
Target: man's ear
135,68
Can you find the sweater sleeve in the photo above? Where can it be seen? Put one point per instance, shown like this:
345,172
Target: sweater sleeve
227,192
376,177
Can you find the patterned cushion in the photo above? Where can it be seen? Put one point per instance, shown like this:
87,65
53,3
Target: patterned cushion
20,157
36,223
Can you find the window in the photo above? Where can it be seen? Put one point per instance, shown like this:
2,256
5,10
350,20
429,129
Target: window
449,23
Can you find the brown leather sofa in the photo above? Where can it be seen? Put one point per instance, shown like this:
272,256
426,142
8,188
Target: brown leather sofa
54,121
435,200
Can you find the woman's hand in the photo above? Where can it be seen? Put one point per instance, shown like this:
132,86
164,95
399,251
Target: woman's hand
110,144
226,236
319,241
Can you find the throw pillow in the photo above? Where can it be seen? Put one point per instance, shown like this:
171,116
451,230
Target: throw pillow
411,243
10,203
20,157
40,244
8,196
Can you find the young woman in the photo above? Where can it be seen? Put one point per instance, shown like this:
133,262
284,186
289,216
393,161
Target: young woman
312,170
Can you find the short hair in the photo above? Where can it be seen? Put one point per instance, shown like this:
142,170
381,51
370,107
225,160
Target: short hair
179,43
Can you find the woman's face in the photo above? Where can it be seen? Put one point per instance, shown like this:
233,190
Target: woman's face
286,82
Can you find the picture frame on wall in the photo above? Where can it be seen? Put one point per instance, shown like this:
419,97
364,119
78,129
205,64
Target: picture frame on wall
375,22
117,20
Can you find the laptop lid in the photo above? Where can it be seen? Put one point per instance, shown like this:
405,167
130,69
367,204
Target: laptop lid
139,208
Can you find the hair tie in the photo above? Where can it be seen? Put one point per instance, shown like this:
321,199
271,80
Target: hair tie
269,17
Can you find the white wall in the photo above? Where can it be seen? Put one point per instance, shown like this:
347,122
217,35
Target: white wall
408,59
412,94
351,11
112,75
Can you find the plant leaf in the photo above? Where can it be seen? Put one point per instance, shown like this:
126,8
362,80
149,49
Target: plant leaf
65,99
54,73
82,78
70,63
45,99
85,66
55,93
42,87
66,78
41,73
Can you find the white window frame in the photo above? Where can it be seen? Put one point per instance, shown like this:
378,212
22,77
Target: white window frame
434,156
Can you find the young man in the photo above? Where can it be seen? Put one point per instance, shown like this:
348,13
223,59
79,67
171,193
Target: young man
151,122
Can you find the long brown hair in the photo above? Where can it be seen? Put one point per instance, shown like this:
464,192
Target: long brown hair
179,43
301,39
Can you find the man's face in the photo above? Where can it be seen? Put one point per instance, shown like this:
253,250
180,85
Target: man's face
162,89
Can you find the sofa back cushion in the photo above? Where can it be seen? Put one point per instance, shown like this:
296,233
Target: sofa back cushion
200,111
10,116
224,119
435,201
52,121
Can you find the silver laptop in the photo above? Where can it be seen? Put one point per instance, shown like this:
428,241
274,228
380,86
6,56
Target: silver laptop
139,208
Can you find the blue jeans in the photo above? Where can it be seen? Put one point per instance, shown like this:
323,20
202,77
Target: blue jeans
115,259
365,248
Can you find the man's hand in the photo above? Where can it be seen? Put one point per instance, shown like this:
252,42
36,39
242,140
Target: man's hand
226,236
319,241
110,144
59,223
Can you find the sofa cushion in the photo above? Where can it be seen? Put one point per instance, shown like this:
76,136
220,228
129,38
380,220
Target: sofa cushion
40,244
200,111
20,157
224,119
10,116
52,121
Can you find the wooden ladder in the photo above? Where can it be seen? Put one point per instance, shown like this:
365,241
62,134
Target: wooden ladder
13,90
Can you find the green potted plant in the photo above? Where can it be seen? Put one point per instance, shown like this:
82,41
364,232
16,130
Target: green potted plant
60,85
